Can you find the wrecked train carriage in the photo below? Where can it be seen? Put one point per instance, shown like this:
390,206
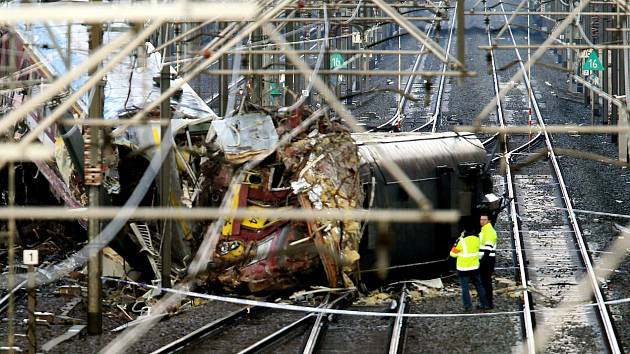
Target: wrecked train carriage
316,171
338,170
129,87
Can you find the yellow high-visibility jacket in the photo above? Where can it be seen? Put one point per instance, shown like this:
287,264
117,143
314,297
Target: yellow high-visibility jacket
467,252
488,238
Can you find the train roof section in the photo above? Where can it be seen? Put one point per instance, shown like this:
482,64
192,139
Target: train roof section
369,138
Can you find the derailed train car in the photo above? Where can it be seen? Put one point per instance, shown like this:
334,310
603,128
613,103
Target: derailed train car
338,170
449,169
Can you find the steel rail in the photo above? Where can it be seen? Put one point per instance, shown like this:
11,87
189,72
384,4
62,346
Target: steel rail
398,327
522,147
527,310
537,54
201,332
500,117
276,336
4,303
489,140
508,22
603,310
438,104
418,62
316,333
528,316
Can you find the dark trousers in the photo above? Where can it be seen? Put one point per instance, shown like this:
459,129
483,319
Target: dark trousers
464,279
486,270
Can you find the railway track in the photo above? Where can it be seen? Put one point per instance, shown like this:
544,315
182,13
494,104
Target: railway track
281,331
551,253
435,119
380,334
418,64
265,327
218,335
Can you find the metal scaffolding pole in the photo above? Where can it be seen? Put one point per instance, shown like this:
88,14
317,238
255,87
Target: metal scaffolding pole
255,63
31,305
289,80
624,138
570,54
461,40
223,83
165,181
615,77
11,261
11,227
93,181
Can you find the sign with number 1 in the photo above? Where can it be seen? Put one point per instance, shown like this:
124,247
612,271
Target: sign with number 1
30,257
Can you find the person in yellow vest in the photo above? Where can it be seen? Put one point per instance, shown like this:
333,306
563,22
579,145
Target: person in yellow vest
488,239
466,250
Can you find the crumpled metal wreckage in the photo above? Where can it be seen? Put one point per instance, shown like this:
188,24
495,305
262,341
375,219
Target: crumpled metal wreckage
318,170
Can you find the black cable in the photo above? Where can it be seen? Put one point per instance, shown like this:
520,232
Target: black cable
133,66
385,40
490,158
